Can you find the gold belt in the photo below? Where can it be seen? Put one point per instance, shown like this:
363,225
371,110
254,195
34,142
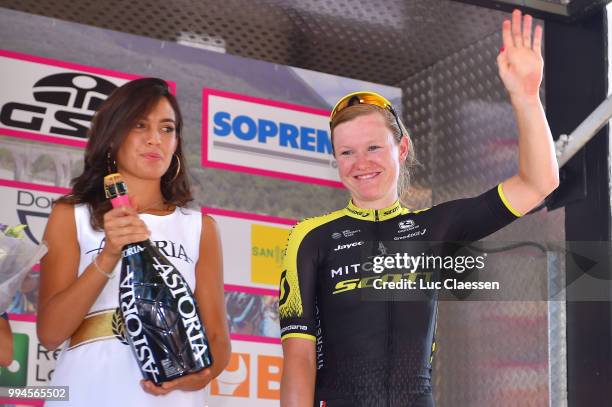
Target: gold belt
99,326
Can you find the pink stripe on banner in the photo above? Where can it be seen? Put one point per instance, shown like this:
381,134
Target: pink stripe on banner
254,338
22,317
67,65
204,131
20,402
248,215
35,187
251,290
41,137
256,291
261,101
206,92
268,173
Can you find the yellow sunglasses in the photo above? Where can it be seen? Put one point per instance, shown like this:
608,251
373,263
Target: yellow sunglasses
364,98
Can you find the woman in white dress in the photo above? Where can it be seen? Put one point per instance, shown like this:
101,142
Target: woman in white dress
137,132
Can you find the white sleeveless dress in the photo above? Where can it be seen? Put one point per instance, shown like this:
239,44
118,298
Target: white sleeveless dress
105,373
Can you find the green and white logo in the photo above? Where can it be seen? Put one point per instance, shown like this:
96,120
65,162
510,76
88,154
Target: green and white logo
16,374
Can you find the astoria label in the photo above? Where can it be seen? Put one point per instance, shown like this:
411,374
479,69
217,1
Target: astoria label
133,326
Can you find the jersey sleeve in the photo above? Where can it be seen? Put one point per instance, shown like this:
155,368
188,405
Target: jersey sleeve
477,217
298,284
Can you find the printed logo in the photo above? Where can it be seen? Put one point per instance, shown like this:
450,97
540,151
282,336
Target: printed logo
293,140
408,236
390,211
51,100
33,208
269,372
132,250
267,253
16,374
284,289
347,246
345,233
407,226
358,213
234,380
345,270
350,233
118,327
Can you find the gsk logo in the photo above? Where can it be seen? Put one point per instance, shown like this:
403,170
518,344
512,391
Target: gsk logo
64,104
50,98
235,380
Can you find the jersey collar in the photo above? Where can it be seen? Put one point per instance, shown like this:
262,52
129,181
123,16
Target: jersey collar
373,214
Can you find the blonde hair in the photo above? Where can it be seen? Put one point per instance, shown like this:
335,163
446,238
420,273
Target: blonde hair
355,111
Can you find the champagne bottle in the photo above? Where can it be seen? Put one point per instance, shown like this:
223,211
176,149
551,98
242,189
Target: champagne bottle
160,313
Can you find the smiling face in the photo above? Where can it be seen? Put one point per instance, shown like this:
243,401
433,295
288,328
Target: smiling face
369,160
147,150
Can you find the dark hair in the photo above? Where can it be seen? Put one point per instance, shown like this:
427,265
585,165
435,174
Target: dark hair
109,127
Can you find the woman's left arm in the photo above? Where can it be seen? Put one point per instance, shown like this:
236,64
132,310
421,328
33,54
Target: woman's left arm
210,296
521,69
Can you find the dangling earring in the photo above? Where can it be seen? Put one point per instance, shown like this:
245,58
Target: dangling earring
108,163
178,168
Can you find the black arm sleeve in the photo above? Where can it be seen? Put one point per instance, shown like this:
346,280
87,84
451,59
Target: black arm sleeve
475,218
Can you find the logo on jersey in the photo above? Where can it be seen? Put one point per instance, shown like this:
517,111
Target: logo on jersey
408,236
345,233
284,289
347,246
358,213
390,211
407,226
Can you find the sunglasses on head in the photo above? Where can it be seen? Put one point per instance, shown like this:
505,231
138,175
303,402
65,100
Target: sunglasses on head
364,98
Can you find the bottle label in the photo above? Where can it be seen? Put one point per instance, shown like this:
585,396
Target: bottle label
186,307
131,250
133,326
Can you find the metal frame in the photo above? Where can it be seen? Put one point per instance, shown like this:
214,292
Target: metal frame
572,10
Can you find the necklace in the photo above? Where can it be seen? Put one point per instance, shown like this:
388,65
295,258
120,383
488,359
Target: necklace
164,207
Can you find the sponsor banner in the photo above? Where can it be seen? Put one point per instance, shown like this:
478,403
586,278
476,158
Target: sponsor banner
252,314
27,204
267,137
251,378
253,247
52,101
32,365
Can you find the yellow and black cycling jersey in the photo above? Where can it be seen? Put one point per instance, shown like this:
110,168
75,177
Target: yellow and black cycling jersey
372,351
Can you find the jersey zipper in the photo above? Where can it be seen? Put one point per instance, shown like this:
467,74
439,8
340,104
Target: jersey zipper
388,318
